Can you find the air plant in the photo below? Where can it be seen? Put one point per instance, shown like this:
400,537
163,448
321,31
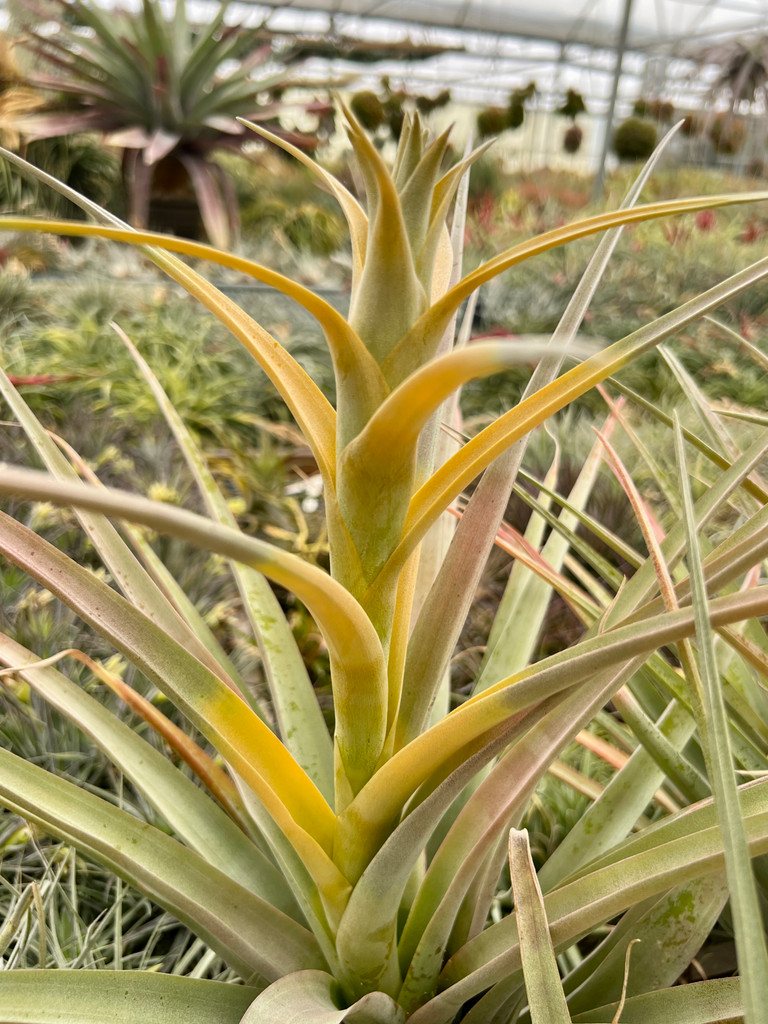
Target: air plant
361,876
165,92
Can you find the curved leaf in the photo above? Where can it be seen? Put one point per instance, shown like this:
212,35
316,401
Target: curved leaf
129,575
289,803
449,480
681,848
82,997
395,426
194,817
313,996
357,220
311,409
357,658
389,789
351,358
705,1002
669,934
418,344
257,940
298,714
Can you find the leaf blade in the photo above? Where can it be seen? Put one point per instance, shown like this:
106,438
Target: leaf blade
546,1001
233,920
80,997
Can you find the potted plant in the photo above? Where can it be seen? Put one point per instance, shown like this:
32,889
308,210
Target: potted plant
167,94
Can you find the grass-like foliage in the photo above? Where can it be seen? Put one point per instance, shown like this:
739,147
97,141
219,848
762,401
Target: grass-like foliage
359,875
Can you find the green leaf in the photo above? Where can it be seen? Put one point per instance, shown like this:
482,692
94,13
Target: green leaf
129,575
357,658
448,481
367,936
445,609
287,796
388,297
611,818
705,1002
487,814
254,938
356,218
751,948
519,619
117,997
418,344
546,1000
194,817
750,485
389,789
298,714
312,411
313,996
669,934
681,848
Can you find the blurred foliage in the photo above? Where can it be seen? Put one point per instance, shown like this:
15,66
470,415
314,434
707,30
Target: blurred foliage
383,112
495,120
279,203
656,266
80,161
573,105
634,139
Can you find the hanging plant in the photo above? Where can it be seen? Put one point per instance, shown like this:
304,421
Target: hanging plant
572,139
517,102
495,120
690,125
727,134
426,104
654,110
573,106
368,109
634,139
394,111
492,121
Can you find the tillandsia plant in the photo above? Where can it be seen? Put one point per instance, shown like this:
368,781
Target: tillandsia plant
164,91
364,876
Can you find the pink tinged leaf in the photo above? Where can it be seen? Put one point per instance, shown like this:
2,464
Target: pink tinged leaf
213,207
160,144
228,125
204,767
35,127
515,544
129,138
617,759
652,532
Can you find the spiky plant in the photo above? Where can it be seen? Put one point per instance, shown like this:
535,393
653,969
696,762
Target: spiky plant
163,90
355,876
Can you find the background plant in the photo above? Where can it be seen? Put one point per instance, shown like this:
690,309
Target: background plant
357,876
166,92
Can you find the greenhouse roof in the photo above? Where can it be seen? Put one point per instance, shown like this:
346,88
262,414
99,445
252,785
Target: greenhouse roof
494,46
656,26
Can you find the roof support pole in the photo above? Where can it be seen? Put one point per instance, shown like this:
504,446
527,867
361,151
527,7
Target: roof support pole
621,46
